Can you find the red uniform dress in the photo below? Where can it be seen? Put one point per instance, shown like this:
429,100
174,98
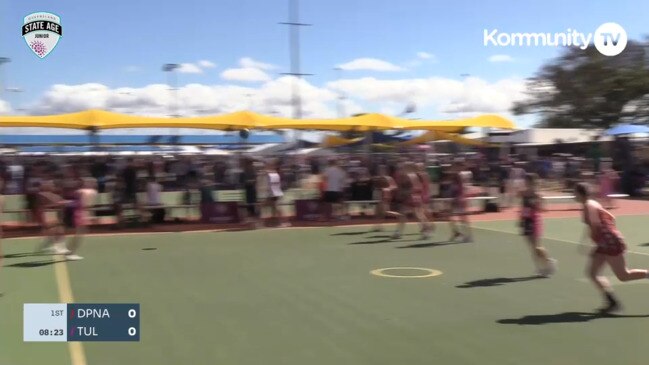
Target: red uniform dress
425,188
605,235
415,190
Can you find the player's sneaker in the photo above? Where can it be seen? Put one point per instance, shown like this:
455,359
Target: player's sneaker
73,257
612,305
426,235
377,229
396,235
549,268
61,250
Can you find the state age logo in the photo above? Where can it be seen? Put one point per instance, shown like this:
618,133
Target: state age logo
42,31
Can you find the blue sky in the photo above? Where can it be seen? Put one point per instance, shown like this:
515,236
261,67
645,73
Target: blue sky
121,44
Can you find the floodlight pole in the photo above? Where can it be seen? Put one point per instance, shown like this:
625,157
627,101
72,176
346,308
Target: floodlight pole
340,106
17,91
3,60
294,47
172,81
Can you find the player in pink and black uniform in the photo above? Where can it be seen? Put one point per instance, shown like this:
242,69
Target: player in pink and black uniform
609,248
531,224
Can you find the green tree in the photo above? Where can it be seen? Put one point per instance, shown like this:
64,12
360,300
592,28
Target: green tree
585,89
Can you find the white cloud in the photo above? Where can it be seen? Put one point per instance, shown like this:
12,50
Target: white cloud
189,68
246,74
271,97
206,64
500,58
370,64
424,55
247,62
446,96
5,108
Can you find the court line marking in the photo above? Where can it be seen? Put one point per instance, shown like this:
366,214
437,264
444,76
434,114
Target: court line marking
77,353
554,239
430,272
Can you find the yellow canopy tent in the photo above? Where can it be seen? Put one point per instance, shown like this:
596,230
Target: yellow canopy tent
336,141
362,123
247,120
100,119
455,126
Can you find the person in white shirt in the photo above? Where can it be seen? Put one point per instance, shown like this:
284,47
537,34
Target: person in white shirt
335,180
275,193
153,192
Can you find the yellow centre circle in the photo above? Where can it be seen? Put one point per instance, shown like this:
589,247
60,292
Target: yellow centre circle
429,273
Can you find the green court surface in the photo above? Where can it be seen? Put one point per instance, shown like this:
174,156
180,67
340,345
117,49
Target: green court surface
306,296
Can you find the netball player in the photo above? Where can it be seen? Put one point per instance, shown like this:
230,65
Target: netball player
48,211
84,198
458,214
410,187
531,225
609,248
425,194
385,188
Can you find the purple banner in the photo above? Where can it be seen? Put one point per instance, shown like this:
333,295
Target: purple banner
220,212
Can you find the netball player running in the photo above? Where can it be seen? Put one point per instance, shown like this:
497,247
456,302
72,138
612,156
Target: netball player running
458,218
609,248
425,194
385,187
411,189
84,198
48,214
532,204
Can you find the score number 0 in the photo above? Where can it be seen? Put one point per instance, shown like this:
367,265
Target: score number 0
132,313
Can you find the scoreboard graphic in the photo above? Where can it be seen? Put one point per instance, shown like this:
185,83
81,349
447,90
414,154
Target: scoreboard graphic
60,322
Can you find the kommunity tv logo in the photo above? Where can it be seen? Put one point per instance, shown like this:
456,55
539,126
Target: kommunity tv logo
610,39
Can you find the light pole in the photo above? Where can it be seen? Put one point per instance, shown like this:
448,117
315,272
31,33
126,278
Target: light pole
17,91
340,105
294,45
172,81
3,60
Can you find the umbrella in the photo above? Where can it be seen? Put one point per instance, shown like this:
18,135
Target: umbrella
627,129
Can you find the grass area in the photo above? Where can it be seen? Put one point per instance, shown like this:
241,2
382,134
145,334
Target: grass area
306,296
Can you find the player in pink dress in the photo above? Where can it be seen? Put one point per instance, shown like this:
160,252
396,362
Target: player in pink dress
609,248
606,179
84,199
385,187
411,190
532,224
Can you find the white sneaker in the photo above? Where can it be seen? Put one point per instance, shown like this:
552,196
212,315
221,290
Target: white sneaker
61,250
396,235
73,257
550,268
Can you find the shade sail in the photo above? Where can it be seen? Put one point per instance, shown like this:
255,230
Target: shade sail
100,119
455,126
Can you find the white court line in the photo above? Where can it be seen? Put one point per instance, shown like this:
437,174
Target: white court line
553,239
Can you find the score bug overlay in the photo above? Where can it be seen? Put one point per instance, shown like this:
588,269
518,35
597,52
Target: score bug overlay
81,322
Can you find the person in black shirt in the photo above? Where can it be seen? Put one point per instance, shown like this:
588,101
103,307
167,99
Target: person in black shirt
248,180
129,178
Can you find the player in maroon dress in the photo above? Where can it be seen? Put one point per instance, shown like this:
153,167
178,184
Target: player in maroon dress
531,224
609,247
385,187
